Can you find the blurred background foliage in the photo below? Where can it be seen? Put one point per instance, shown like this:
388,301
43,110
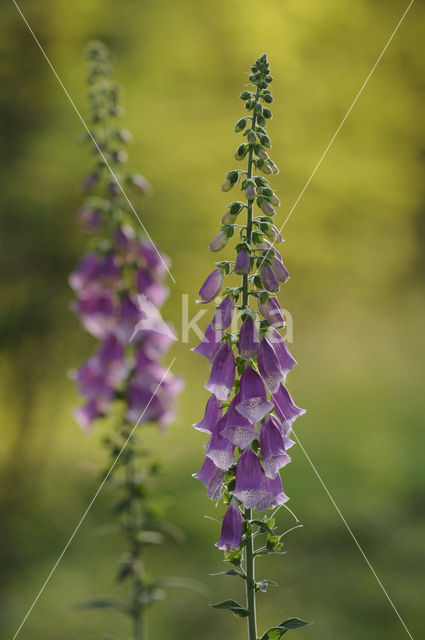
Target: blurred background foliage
354,247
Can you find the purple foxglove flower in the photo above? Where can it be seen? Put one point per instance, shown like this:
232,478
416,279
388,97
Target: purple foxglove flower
229,218
279,270
243,262
248,339
269,366
249,487
87,270
89,218
212,415
97,313
90,181
87,414
130,315
212,286
254,404
224,314
210,343
212,477
284,406
272,448
124,239
220,449
157,293
231,530
269,280
223,373
286,361
274,495
219,241
238,429
272,312
151,259
114,189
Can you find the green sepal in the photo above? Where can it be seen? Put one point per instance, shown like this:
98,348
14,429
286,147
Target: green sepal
258,282
257,237
234,208
263,526
267,113
261,120
229,572
267,97
104,603
240,125
233,606
263,585
251,136
245,95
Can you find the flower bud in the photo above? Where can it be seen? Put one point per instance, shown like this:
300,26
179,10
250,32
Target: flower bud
243,262
141,184
267,97
268,278
261,152
250,191
273,234
230,180
261,120
245,95
266,207
267,113
219,241
123,135
241,151
212,286
265,140
240,125
270,195
263,166
252,137
90,182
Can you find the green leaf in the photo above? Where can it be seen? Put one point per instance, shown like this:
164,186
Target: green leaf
229,572
233,606
103,603
263,526
275,633
293,623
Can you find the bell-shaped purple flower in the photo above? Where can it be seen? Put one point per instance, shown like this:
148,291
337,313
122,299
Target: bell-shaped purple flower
272,448
212,415
272,312
212,477
224,314
268,278
249,487
212,286
274,494
210,343
269,366
279,269
85,415
96,311
219,449
238,429
284,406
254,404
223,372
243,262
89,218
286,361
248,339
231,529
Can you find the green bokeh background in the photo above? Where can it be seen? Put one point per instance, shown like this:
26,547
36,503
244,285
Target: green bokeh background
354,247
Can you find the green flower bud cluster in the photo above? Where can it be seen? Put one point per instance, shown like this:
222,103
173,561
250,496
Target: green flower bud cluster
259,230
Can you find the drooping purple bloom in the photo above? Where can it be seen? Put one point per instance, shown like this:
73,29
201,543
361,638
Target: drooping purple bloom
286,361
274,494
238,429
96,311
279,269
284,406
269,366
212,477
272,312
212,415
89,218
272,448
146,284
231,530
248,339
210,343
220,449
243,262
268,278
253,404
223,372
224,314
249,487
212,286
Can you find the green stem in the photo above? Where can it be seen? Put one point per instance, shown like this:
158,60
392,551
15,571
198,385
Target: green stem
250,580
134,528
249,548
